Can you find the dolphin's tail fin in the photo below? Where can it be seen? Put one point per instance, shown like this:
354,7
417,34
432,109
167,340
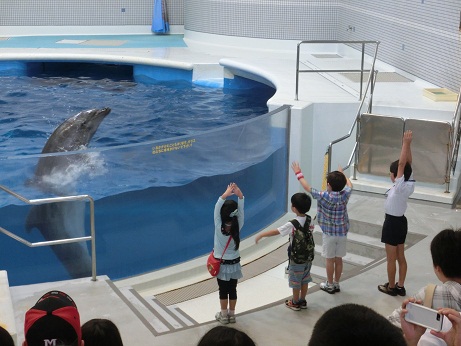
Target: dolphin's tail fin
33,218
49,220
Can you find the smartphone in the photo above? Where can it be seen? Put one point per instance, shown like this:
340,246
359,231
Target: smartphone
424,316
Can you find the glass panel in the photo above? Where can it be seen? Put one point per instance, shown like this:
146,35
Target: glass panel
153,202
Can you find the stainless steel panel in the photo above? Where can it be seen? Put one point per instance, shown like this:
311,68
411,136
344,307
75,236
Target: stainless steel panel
379,143
430,147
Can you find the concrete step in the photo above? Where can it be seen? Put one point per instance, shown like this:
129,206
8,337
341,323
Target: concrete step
425,192
363,249
359,245
365,228
318,272
319,261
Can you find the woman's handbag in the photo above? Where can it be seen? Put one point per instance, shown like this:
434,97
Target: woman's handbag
213,264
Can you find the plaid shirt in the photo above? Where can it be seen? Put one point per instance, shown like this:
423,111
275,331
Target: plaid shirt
447,295
332,211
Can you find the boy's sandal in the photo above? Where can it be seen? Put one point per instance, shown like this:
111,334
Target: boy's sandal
290,305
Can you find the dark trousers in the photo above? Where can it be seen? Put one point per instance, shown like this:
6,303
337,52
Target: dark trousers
227,289
395,230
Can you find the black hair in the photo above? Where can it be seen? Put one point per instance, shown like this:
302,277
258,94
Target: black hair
394,167
225,336
227,208
5,337
353,324
337,180
302,202
101,332
446,252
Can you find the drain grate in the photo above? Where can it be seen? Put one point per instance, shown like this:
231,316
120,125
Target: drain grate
326,56
361,244
162,316
381,77
252,269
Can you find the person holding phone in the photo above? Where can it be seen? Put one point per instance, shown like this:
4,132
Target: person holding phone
414,332
446,259
453,336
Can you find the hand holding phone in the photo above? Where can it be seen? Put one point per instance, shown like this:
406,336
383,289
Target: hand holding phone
424,316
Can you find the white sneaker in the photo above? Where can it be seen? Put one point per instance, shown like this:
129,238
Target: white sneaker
220,318
327,287
336,286
231,318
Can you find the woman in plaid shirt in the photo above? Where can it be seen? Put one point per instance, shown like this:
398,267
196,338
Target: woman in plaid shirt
446,259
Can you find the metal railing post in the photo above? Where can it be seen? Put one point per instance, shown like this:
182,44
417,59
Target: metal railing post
369,87
297,70
91,238
361,70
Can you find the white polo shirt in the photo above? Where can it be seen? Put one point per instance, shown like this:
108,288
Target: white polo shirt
397,196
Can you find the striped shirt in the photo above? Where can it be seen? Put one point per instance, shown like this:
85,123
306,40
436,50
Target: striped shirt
332,211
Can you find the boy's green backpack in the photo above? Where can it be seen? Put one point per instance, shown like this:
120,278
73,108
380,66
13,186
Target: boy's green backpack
302,247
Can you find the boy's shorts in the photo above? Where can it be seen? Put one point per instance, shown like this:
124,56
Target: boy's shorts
299,274
395,229
333,246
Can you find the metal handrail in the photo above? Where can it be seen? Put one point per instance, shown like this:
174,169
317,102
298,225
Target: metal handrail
357,117
361,70
370,86
60,241
456,126
454,143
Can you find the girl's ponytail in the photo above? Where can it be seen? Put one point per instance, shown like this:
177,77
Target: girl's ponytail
235,232
229,214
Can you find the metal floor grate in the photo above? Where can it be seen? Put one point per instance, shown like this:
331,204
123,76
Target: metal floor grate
279,256
252,269
382,77
327,56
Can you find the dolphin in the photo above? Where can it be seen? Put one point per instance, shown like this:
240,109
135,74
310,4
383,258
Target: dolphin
65,219
73,134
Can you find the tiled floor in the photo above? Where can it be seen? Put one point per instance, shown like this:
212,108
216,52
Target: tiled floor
144,321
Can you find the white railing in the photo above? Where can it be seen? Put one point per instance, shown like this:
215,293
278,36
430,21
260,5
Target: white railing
59,241
362,62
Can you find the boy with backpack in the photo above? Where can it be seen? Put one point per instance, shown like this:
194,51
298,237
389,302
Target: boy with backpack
333,219
301,251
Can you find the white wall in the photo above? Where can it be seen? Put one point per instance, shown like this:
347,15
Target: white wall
320,124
